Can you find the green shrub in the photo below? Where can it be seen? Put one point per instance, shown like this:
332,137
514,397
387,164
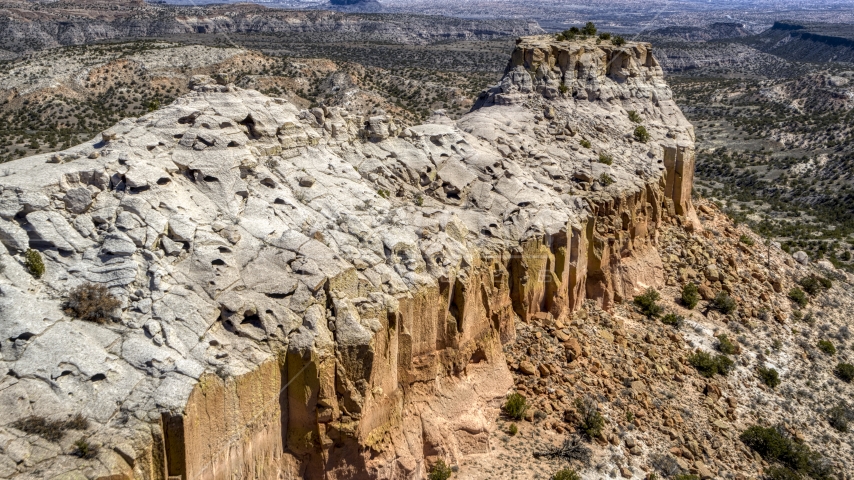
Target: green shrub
569,34
641,135
84,449
383,193
746,240
775,445
516,406
618,41
725,345
566,474
827,347
769,376
814,284
91,302
708,365
810,285
770,443
799,297
513,430
589,29
591,421
584,143
673,320
724,303
839,416
690,296
33,262
605,179
563,88
606,159
646,303
781,473
845,372
604,36
440,471
633,116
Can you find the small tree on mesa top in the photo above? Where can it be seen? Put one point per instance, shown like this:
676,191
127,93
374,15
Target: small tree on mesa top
589,29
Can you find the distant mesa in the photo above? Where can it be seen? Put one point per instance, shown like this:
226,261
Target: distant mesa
808,41
357,4
784,25
714,31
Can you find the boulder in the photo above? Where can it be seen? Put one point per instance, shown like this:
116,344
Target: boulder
77,200
13,236
527,368
573,349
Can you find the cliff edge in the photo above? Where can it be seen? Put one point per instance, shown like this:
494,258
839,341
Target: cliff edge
316,294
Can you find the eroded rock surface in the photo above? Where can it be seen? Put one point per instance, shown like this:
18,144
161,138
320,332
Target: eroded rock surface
312,291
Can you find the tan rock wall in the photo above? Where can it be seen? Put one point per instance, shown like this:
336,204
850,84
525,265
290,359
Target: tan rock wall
679,178
572,59
230,428
389,409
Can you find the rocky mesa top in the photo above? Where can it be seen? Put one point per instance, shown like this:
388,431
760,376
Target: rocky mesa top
231,225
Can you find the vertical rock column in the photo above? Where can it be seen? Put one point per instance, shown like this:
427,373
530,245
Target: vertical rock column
679,178
531,269
230,428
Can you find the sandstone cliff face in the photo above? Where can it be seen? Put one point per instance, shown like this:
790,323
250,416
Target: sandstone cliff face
314,294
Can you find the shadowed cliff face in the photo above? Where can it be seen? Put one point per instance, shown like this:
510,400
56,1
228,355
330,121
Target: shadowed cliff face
311,291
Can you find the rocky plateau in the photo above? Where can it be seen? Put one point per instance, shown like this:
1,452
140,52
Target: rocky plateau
312,293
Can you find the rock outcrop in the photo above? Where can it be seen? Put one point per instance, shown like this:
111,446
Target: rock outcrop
310,291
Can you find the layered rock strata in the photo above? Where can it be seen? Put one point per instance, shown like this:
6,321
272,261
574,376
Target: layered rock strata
314,294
